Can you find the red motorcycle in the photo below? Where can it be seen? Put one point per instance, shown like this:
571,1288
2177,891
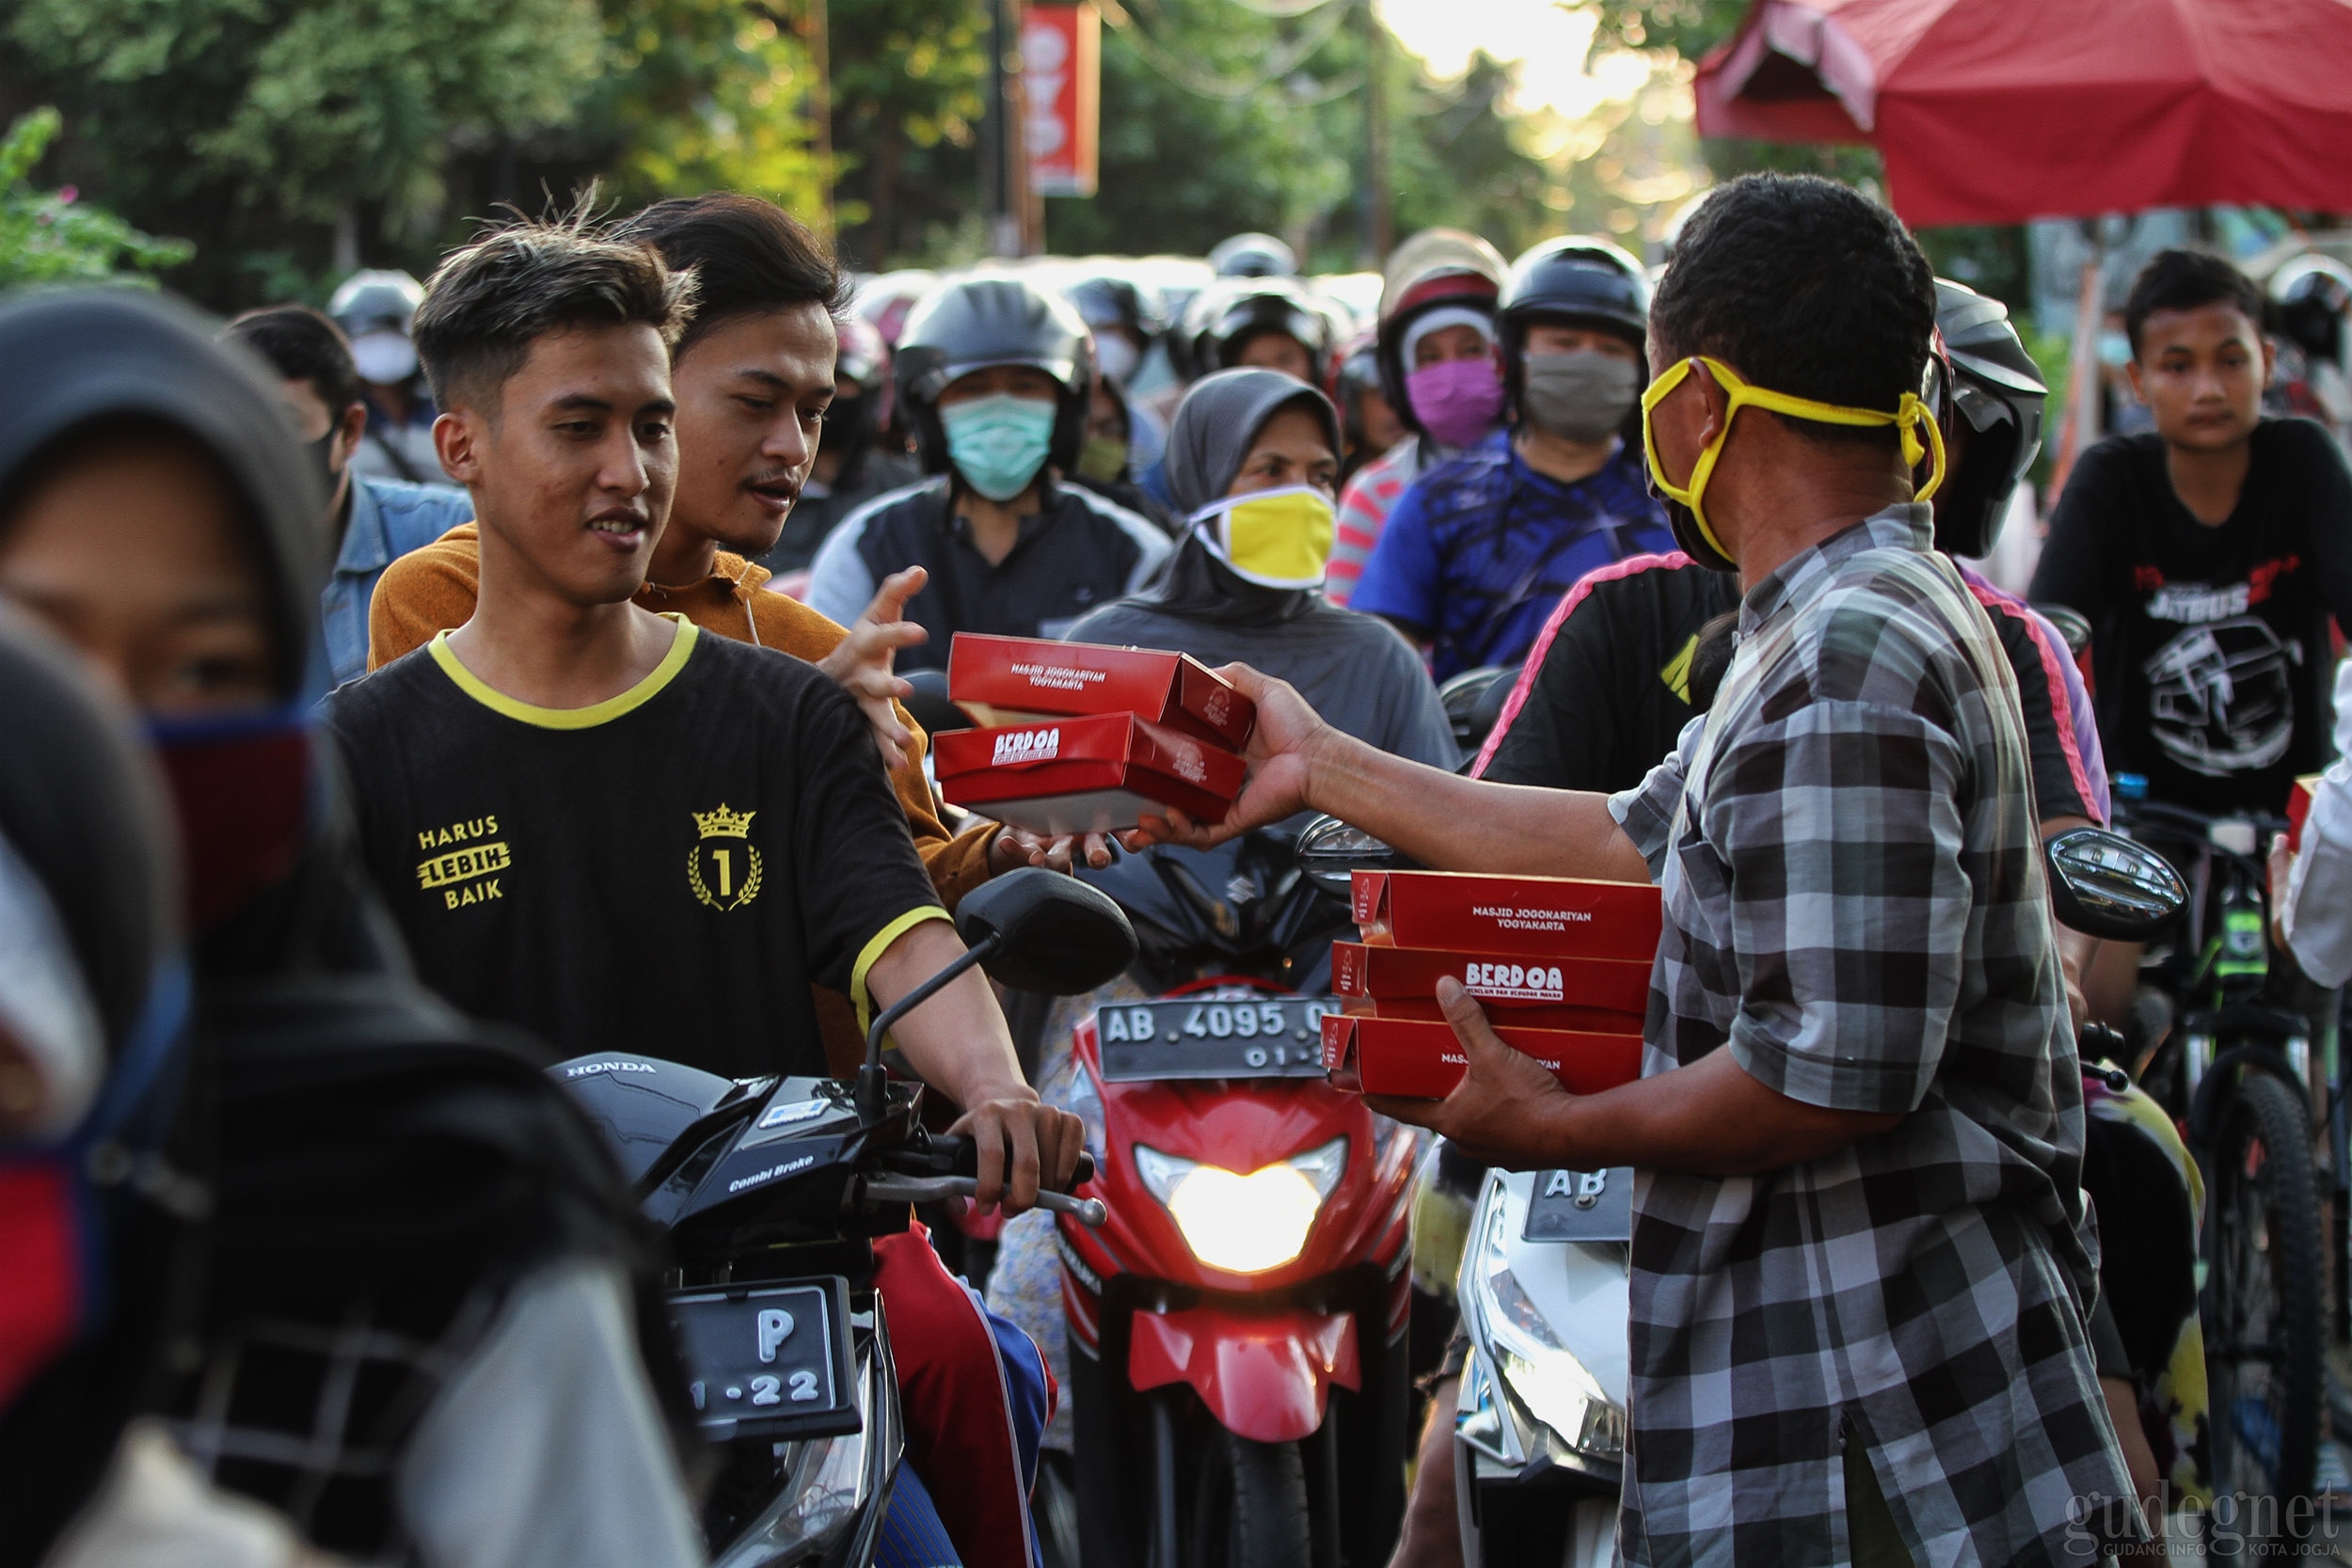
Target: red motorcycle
1237,1330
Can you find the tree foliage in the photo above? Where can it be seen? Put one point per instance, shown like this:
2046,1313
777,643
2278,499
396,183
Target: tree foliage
908,80
305,106
56,237
705,94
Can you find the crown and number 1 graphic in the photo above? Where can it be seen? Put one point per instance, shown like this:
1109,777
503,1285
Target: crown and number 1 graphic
724,867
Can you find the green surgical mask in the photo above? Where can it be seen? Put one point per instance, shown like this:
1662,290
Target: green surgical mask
1103,460
999,442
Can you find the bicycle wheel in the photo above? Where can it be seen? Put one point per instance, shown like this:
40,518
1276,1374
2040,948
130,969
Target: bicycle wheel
2263,1251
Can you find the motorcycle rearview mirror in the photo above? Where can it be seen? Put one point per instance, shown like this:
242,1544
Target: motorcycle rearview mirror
1033,929
1050,933
1331,852
2107,886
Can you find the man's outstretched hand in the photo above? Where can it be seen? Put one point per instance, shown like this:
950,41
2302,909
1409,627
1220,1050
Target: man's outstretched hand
1504,1111
1280,754
861,664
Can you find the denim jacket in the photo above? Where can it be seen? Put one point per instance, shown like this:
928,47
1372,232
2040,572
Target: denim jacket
388,518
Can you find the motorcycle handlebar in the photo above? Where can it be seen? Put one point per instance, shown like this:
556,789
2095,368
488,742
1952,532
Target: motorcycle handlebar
960,1156
1088,1212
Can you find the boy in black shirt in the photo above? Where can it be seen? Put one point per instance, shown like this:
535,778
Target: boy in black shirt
2207,555
589,819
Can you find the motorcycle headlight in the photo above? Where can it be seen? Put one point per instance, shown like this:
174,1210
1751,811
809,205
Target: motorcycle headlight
824,1480
1243,1224
1535,1370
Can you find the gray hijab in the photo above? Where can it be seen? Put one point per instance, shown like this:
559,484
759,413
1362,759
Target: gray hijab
1219,421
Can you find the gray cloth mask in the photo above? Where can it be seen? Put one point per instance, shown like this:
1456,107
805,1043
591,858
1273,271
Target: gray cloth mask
1579,397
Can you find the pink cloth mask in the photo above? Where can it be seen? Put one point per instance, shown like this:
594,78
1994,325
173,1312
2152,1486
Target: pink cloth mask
1460,401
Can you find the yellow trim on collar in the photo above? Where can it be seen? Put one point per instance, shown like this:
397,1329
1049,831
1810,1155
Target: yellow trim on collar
681,647
859,996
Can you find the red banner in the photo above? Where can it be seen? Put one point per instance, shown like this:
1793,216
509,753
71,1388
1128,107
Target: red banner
1061,85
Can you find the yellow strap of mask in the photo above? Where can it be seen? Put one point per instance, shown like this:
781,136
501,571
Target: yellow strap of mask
1910,416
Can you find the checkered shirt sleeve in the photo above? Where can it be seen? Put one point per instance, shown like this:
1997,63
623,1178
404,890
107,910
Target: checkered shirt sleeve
1847,855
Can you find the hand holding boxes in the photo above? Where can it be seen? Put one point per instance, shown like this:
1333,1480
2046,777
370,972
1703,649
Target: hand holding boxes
1561,964
1089,739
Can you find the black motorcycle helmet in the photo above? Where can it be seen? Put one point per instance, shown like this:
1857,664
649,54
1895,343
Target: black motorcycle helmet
1992,384
1108,301
1433,269
2310,298
973,324
1253,255
1223,318
1580,279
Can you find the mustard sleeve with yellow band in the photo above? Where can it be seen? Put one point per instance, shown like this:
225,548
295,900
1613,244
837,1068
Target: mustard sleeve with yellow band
871,954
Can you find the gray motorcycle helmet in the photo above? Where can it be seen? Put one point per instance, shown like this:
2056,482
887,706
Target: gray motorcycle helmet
973,323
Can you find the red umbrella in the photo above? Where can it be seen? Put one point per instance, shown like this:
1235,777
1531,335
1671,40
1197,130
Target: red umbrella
2001,111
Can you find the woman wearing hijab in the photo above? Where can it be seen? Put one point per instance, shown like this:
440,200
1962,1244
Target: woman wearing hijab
1253,457
1252,460
382,1165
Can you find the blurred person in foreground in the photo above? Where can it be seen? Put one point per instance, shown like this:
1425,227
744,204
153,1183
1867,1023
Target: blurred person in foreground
399,1204
1859,1226
665,838
1439,370
1251,458
99,1265
1478,550
371,522
998,376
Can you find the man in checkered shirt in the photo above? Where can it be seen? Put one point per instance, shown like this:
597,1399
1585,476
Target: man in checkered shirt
1860,1269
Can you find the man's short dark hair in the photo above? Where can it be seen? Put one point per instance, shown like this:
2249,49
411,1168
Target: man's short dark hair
747,256
2184,281
1804,285
487,304
301,345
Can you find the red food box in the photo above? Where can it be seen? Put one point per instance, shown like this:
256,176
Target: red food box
1505,982
1544,916
2299,806
1423,1061
1014,678
1087,775
1582,1020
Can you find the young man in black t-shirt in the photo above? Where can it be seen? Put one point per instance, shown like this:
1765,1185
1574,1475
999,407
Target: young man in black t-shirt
2207,555
590,820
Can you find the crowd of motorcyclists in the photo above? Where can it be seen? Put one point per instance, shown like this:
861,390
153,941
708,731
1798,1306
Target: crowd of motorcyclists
514,667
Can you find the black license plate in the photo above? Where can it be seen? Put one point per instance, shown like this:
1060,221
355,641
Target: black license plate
1186,1036
1582,1206
768,1360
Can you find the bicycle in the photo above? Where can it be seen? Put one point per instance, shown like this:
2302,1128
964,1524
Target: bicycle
2233,1067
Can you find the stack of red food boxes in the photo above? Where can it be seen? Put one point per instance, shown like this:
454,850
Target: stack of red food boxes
1561,965
1081,737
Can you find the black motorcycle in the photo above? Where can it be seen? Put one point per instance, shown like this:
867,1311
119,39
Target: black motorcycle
772,1190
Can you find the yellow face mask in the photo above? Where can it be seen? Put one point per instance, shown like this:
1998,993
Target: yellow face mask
1274,538
1910,416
